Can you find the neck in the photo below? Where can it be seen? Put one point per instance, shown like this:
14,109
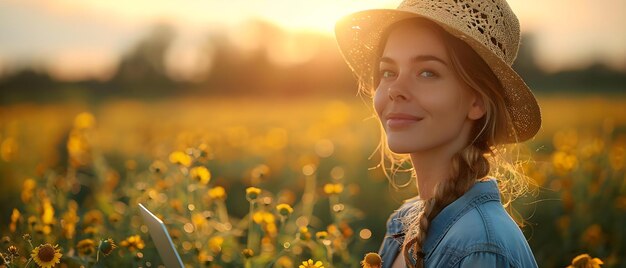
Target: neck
430,170
434,165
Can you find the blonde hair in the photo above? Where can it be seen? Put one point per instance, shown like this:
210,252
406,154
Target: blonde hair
484,155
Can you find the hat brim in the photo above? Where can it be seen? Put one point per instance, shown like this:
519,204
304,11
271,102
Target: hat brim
358,36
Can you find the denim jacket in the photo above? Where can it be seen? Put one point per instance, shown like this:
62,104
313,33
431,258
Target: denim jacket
473,231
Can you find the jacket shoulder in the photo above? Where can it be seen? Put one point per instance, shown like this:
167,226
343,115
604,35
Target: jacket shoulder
493,231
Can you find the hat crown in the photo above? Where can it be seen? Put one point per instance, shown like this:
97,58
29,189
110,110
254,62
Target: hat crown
491,22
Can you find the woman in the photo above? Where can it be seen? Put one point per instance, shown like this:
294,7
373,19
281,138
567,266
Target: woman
448,100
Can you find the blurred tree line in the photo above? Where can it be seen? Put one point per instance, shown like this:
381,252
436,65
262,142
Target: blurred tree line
142,71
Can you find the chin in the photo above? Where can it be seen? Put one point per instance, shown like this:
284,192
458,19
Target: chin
400,148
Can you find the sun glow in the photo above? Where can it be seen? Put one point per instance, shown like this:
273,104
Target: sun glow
86,38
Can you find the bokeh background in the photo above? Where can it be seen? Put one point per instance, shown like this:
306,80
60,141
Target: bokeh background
95,94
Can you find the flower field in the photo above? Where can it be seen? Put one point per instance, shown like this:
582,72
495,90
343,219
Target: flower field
272,183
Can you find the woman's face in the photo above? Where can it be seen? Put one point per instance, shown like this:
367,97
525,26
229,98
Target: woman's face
421,102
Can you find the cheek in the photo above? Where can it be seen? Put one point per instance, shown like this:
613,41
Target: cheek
444,102
379,102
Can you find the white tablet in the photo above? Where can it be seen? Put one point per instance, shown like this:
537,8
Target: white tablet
161,239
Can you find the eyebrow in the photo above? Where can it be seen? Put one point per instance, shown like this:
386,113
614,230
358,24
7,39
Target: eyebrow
417,59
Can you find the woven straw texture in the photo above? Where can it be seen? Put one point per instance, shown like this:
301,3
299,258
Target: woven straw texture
489,26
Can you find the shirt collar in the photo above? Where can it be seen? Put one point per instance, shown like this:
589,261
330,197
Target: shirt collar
480,192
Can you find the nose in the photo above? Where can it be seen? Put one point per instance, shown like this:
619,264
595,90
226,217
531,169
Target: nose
398,90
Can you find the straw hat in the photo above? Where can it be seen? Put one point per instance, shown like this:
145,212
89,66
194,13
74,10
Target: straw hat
489,27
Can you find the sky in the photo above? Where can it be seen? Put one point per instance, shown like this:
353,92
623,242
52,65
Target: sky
76,39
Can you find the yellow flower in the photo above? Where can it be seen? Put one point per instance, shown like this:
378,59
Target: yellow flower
284,262
564,162
204,257
372,260
15,216
180,158
247,253
133,242
259,173
46,256
78,148
84,120
215,243
263,217
115,217
321,235
158,167
198,219
217,192
130,164
27,190
93,217
13,251
45,229
70,218
333,188
107,246
47,217
617,155
565,140
585,261
90,230
284,209
593,235
176,234
86,246
204,152
310,264
32,221
304,233
252,193
200,174
177,205
270,229
9,149
346,231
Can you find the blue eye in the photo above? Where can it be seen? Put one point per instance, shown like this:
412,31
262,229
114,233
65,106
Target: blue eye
387,73
427,74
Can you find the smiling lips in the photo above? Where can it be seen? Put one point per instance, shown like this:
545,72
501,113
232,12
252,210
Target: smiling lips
399,120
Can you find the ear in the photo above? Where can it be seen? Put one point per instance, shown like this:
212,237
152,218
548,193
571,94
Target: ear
477,108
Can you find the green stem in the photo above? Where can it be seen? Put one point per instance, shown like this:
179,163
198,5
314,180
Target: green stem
293,243
329,254
283,219
4,260
250,221
308,198
98,251
27,263
222,212
334,200
188,194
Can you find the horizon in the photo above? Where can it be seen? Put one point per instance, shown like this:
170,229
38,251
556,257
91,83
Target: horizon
76,40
